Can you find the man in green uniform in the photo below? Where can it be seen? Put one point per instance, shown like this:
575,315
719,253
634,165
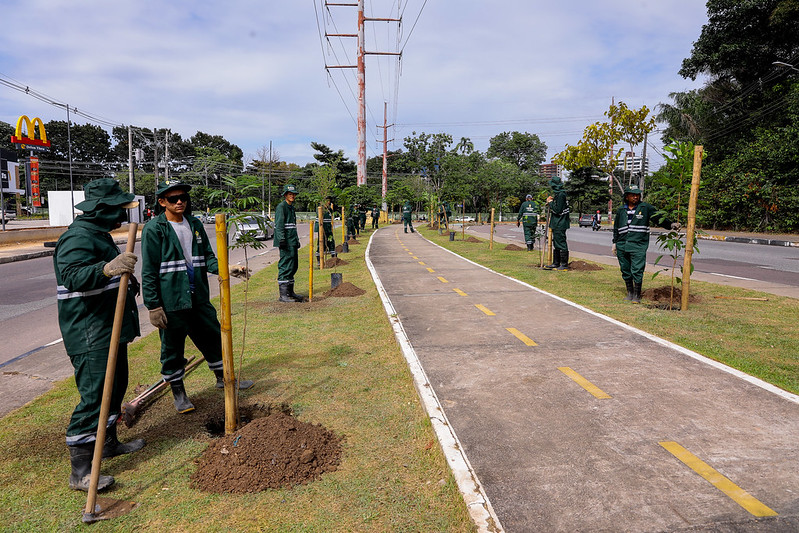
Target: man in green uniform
327,227
287,240
362,216
558,223
528,215
407,211
375,217
631,239
448,212
352,221
88,268
176,260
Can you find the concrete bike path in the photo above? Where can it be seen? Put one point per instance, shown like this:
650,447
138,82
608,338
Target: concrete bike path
575,422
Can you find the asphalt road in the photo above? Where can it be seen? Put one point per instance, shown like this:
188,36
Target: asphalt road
772,264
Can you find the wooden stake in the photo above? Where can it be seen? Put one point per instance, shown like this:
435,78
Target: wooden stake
491,242
108,384
689,235
310,265
228,372
321,239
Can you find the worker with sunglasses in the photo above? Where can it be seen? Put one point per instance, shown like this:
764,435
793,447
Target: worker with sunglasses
176,260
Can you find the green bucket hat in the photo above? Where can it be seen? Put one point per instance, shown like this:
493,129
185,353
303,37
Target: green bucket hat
105,191
633,189
170,185
289,188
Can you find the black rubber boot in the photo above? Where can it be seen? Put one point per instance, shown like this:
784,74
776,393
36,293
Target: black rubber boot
636,299
80,457
630,289
555,260
113,447
182,403
284,293
564,260
240,383
294,296
412,230
529,247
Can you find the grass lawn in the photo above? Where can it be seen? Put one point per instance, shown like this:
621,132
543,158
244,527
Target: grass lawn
756,337
334,361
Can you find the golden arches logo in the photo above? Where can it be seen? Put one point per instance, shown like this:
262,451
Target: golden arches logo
30,127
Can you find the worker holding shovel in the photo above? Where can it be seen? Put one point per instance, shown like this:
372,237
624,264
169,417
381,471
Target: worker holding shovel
88,266
176,260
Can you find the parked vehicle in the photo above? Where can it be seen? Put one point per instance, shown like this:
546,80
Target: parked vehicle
251,225
586,221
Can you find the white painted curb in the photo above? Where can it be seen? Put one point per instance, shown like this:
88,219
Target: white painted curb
477,502
699,357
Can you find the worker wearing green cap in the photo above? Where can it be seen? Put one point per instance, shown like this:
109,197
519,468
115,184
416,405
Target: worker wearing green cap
288,241
558,223
88,268
631,239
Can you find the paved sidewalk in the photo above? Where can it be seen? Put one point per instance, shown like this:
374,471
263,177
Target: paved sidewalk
575,422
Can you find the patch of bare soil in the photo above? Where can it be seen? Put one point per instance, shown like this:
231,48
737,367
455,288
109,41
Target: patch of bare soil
663,294
339,249
335,261
345,290
271,452
514,248
583,266
353,241
472,239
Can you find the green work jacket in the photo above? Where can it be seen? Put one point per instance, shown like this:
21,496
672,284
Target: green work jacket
286,225
165,277
528,213
559,211
634,237
86,297
407,209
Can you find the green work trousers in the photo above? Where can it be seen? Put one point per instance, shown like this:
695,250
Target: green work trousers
287,264
406,223
529,233
559,240
199,324
632,265
330,241
90,377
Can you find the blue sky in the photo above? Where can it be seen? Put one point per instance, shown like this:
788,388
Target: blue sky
253,71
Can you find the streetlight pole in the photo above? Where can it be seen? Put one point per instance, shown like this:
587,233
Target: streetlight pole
784,65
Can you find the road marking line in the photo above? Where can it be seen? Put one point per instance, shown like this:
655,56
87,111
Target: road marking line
420,262
485,310
584,383
431,270
522,337
460,292
415,258
736,493
442,280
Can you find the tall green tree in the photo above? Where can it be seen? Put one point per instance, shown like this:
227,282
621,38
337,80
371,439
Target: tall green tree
525,150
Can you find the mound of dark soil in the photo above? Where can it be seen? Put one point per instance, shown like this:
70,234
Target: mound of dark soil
345,290
514,248
583,266
472,239
353,241
335,261
663,294
268,453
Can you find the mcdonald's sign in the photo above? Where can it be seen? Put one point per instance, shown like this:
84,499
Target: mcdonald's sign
30,141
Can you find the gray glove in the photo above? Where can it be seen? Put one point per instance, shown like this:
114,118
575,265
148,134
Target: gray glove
158,317
613,249
676,226
124,263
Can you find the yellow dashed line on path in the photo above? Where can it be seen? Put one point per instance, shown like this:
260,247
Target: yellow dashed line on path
420,262
738,495
442,280
522,337
430,270
415,257
584,383
460,292
485,310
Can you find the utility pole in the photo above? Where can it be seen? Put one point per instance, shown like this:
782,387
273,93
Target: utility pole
361,69
130,160
270,178
385,154
166,157
155,164
642,181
